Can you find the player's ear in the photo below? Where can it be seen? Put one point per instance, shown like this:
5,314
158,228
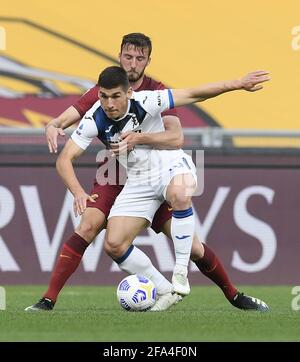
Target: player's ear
119,58
129,92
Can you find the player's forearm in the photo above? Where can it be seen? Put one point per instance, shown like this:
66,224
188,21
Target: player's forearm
64,167
65,119
251,82
159,140
211,90
165,140
171,138
201,93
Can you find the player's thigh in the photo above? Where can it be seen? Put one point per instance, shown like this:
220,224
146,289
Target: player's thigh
107,195
136,200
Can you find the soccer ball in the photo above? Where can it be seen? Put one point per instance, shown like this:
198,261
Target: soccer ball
136,293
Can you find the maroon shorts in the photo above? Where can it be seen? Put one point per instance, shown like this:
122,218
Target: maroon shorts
107,195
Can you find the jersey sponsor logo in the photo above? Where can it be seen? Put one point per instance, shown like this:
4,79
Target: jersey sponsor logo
182,237
158,100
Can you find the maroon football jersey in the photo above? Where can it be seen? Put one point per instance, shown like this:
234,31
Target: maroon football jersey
90,97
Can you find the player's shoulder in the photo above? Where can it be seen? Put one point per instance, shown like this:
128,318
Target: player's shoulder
91,113
92,92
151,84
146,98
138,96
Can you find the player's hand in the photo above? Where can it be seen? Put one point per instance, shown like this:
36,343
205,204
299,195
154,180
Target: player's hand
94,196
79,203
52,133
119,148
127,143
132,139
252,81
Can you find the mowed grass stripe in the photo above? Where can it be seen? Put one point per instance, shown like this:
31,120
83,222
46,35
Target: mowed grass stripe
91,313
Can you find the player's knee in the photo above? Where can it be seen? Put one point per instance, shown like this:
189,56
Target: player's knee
179,199
87,230
107,247
113,247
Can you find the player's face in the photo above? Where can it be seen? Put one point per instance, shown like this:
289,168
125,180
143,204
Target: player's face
134,61
114,101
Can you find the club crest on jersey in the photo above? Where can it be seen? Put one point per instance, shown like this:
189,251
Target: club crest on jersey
132,124
134,121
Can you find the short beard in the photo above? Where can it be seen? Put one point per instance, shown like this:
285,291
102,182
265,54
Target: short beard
134,77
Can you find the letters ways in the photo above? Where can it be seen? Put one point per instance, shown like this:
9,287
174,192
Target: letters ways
35,210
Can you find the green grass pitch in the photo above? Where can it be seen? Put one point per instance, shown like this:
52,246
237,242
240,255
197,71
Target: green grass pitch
92,313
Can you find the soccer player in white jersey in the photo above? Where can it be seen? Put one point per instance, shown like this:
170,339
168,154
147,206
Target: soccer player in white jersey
122,111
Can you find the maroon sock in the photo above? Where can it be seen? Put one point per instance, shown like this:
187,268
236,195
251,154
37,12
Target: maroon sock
211,266
69,258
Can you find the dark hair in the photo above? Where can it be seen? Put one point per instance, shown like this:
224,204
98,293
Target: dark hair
113,77
139,40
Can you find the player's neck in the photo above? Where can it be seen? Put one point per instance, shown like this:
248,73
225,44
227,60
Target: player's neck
136,85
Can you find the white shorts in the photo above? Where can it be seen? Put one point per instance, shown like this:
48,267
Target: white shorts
143,199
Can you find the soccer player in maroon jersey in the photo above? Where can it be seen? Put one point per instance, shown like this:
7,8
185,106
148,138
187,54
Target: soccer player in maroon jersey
134,58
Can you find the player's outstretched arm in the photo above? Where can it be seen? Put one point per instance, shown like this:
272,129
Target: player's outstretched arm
56,126
250,82
64,166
